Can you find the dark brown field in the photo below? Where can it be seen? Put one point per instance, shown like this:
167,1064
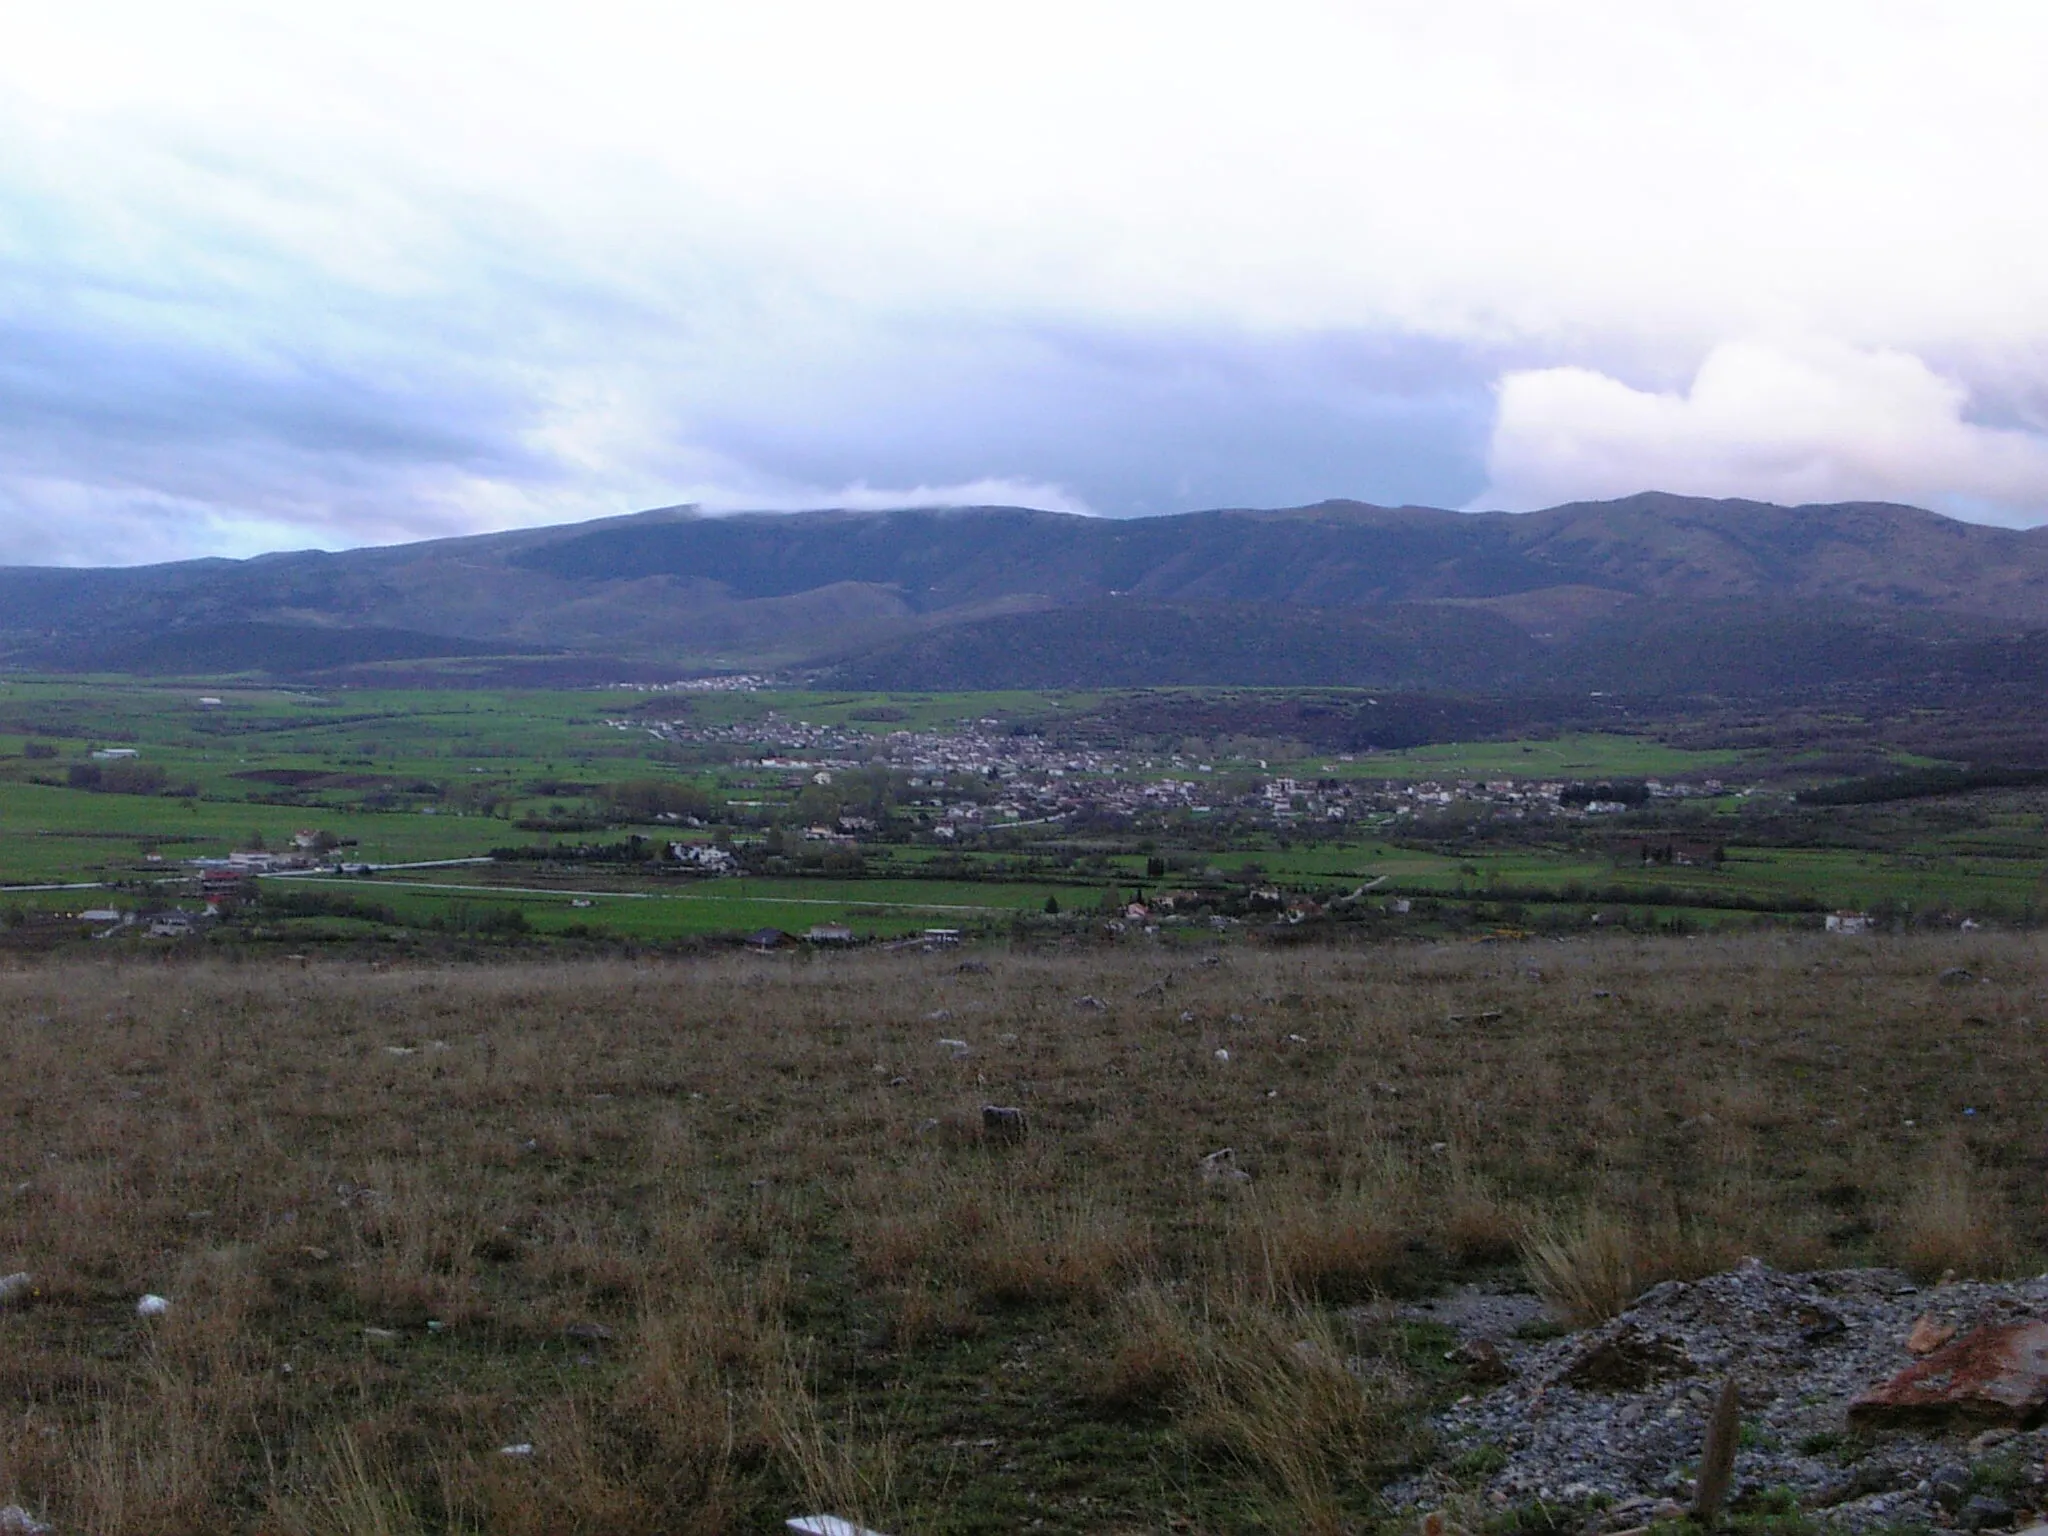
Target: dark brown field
724,1241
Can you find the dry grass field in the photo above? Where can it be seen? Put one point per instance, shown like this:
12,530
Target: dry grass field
724,1241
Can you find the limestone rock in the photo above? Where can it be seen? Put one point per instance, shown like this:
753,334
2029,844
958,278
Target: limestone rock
1991,1375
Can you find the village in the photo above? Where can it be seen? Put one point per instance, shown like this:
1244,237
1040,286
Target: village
981,776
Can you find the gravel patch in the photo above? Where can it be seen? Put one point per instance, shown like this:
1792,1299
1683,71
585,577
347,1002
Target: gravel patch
1614,1415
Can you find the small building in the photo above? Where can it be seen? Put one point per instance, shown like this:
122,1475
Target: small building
114,754
1848,922
829,933
705,856
942,936
223,884
765,939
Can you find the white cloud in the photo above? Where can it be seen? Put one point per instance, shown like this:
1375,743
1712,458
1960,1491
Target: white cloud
1805,423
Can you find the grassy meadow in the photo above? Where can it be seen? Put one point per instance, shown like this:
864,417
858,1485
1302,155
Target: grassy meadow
690,1245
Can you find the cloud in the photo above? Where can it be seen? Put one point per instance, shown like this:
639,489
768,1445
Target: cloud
1805,423
859,497
276,275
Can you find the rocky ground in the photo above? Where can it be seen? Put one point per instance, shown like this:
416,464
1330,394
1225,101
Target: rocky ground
1609,1421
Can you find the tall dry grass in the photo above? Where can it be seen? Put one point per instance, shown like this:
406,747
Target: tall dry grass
409,1216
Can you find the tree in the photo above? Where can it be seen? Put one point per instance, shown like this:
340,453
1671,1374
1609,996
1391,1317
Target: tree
1052,906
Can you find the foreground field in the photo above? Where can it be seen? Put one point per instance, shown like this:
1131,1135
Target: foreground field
707,1243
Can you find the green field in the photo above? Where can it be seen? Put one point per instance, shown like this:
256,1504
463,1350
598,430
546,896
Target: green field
1575,755
412,777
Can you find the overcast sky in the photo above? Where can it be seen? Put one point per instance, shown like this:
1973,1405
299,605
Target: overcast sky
274,276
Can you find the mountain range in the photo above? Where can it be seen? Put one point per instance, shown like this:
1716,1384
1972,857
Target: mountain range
1650,594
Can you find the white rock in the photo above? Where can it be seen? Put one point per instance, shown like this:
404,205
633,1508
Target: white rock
16,1521
15,1288
828,1525
152,1306
521,1449
1222,1055
957,1048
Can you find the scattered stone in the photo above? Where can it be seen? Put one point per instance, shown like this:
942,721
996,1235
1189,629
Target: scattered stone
521,1449
1222,1055
972,968
1817,1322
1928,1335
939,1016
1986,1512
588,1333
16,1521
15,1288
381,1335
1220,1167
1996,1374
1483,1363
152,1306
956,1048
827,1525
1092,1004
1956,976
1627,1361
1950,1486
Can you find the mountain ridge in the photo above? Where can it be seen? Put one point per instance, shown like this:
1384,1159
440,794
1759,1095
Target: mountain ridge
1427,596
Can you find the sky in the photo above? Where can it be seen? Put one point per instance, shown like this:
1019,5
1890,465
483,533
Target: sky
278,277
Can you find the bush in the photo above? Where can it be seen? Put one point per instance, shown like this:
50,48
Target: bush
126,777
